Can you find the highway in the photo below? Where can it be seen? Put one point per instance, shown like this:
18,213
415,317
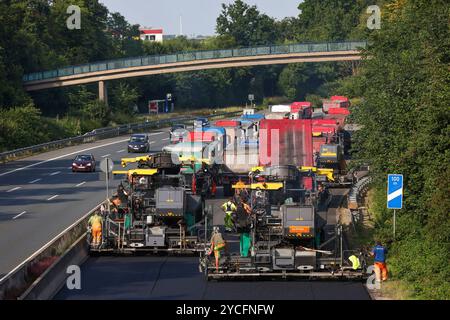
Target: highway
178,278
40,196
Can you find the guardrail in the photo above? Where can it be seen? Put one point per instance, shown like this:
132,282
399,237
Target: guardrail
358,189
195,55
26,280
98,134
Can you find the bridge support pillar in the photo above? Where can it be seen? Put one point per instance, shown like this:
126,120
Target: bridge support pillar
102,92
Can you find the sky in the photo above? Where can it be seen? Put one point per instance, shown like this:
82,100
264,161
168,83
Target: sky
198,16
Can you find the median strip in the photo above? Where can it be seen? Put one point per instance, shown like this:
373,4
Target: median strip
51,198
14,189
20,214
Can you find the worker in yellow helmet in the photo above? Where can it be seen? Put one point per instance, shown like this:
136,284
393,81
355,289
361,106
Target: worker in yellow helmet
95,222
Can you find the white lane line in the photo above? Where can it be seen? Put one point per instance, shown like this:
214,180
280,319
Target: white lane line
156,133
165,139
63,156
55,173
106,155
14,189
69,168
19,215
152,142
51,198
34,181
80,184
120,151
38,252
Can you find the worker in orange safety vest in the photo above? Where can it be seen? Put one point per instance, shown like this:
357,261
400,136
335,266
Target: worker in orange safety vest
95,222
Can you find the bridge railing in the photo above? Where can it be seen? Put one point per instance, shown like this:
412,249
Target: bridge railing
193,56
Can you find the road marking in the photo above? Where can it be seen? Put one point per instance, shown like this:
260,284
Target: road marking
34,181
165,139
60,157
14,189
35,254
19,215
106,155
151,142
156,133
123,150
51,198
55,173
80,184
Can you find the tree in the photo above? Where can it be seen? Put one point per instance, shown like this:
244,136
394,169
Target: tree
245,24
405,128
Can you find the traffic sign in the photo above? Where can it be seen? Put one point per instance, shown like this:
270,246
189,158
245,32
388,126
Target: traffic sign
107,165
395,191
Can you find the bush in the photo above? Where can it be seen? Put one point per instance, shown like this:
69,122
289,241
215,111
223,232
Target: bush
22,126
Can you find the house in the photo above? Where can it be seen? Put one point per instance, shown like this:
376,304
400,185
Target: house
147,34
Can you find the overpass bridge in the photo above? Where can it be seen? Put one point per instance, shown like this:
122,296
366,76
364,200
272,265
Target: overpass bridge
190,61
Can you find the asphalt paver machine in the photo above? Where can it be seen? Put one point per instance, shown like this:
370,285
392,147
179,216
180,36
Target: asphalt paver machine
287,238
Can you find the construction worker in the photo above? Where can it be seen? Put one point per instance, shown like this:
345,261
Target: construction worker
379,253
243,227
229,207
217,245
95,222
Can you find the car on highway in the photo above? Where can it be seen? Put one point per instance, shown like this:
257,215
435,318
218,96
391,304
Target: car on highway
83,163
139,143
176,132
201,123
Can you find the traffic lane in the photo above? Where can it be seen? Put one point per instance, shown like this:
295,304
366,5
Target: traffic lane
178,278
22,179
69,153
58,181
43,218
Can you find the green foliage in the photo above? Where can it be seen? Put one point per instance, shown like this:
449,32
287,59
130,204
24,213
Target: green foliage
245,24
405,118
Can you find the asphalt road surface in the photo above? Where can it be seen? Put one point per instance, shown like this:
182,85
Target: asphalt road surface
40,196
178,278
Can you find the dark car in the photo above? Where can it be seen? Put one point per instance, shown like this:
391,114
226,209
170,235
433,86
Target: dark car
177,132
138,143
84,163
201,123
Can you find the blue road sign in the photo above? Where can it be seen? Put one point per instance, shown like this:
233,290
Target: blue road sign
395,191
